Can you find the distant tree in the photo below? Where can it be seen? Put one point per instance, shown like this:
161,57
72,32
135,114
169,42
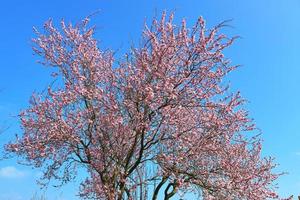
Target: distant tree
36,197
157,123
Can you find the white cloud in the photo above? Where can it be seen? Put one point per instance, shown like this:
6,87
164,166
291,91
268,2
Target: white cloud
11,172
11,196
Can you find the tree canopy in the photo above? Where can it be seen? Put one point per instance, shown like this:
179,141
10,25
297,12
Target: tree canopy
157,122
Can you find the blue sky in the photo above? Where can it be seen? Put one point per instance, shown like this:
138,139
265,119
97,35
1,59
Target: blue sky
269,79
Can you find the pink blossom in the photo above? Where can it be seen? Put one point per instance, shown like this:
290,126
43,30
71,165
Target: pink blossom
161,117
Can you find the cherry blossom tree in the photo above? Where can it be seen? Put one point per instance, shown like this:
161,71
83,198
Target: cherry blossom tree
156,123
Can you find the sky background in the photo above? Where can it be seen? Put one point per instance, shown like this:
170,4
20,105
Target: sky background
268,52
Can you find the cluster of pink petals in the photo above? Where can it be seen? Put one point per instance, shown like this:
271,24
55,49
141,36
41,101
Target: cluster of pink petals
160,120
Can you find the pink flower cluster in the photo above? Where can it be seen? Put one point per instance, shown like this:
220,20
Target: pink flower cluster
160,121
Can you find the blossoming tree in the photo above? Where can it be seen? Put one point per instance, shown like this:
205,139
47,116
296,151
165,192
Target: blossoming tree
155,124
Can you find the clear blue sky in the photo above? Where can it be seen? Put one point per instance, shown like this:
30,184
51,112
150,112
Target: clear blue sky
268,51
